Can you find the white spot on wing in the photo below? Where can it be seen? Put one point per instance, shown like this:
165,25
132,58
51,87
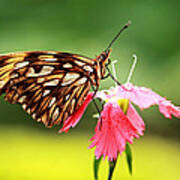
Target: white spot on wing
21,99
67,97
40,80
45,71
55,114
88,68
2,83
50,59
39,120
34,116
14,75
46,92
53,100
80,63
24,106
82,80
21,64
69,78
28,111
67,65
53,82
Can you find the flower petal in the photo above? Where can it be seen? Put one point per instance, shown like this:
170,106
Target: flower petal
76,116
141,96
135,119
116,130
144,98
168,109
106,94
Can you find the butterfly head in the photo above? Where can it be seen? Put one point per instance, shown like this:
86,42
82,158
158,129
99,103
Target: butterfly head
104,56
102,61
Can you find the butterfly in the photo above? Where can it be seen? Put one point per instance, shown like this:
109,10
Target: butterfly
51,85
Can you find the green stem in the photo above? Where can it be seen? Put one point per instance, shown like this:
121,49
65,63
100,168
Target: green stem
112,165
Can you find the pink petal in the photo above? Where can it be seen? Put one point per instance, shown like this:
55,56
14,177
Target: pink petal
76,116
168,109
145,98
141,96
135,119
106,94
116,130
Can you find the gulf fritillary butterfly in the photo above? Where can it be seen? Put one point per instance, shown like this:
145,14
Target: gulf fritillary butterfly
51,85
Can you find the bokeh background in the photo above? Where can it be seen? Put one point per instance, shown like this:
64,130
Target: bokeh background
28,150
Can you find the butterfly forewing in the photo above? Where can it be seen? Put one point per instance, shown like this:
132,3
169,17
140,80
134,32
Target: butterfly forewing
50,86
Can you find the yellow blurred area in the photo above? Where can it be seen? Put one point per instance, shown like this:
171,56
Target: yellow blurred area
31,154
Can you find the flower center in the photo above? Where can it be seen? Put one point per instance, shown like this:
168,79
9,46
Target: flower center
124,104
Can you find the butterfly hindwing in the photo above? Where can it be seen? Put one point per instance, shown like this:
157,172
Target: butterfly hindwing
50,86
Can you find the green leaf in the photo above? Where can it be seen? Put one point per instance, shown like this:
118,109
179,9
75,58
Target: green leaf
112,165
129,157
96,167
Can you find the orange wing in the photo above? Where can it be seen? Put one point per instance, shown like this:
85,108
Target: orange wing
50,86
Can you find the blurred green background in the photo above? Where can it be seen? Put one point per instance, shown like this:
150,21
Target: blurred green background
30,151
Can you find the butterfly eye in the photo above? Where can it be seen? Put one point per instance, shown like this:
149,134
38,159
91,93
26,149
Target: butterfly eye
102,57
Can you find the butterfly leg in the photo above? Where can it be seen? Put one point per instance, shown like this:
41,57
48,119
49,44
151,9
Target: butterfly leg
97,108
106,76
99,112
112,77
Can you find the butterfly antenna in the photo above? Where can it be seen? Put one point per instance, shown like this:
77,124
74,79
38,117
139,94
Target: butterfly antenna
118,34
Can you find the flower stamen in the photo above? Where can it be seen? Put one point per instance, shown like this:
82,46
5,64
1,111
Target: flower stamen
132,68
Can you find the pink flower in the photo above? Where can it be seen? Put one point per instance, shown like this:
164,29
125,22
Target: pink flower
142,97
117,129
121,122
76,116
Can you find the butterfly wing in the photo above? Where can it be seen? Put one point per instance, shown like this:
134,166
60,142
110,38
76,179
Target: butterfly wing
50,86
